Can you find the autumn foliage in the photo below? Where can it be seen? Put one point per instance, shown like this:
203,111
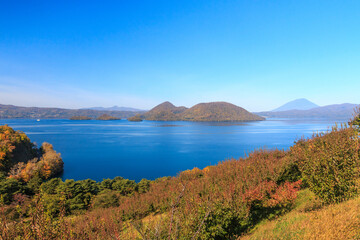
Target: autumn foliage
49,164
218,202
330,163
10,140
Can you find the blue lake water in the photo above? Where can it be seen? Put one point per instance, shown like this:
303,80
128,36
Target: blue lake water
135,150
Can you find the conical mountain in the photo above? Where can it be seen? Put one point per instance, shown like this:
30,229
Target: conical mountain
298,104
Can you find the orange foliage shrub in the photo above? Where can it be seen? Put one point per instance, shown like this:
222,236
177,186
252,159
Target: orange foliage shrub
9,140
220,201
48,165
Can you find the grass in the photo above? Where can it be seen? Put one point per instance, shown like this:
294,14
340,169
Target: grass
310,220
130,232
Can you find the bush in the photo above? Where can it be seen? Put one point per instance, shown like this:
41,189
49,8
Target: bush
106,199
48,165
34,184
329,163
289,172
89,186
123,186
8,188
15,146
355,121
51,161
224,222
143,186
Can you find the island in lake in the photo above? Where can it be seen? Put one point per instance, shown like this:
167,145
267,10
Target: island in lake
80,118
104,117
135,119
107,117
202,112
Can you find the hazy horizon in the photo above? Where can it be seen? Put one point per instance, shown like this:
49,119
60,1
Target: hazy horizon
256,54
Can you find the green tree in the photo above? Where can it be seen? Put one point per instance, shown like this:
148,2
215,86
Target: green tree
124,186
106,199
34,183
76,197
329,163
143,186
90,186
8,188
50,187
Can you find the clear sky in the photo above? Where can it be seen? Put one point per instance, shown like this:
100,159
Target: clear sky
257,54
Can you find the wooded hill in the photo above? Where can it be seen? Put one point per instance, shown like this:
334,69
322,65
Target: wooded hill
10,111
21,159
210,112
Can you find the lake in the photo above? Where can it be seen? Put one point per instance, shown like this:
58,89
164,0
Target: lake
149,149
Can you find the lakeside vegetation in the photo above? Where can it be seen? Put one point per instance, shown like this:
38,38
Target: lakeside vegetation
238,198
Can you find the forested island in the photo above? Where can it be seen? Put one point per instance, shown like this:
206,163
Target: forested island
314,183
202,112
135,119
107,117
80,118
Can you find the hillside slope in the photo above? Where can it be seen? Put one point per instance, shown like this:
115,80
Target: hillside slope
309,220
218,111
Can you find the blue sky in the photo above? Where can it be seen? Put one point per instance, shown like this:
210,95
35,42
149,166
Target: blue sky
256,54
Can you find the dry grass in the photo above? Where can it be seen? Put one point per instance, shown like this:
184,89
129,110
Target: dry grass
131,229
338,221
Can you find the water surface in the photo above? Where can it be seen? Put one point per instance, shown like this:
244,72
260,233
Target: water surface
135,150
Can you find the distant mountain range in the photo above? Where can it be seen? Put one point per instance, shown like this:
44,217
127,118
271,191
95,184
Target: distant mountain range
209,112
335,111
298,104
10,111
213,111
115,108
